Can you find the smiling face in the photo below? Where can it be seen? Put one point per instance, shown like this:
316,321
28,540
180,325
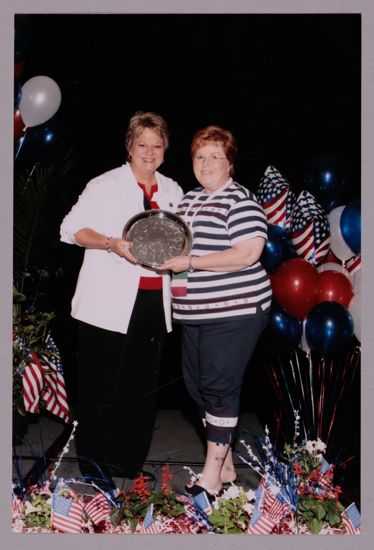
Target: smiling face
211,167
147,153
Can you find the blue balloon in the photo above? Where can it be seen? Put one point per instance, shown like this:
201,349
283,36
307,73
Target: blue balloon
327,181
329,328
350,225
43,143
283,332
17,94
277,248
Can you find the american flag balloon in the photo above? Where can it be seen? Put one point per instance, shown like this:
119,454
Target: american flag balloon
276,197
309,229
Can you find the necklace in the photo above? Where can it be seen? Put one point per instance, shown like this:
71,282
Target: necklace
211,196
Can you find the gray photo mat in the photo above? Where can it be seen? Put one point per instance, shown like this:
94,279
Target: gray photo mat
11,540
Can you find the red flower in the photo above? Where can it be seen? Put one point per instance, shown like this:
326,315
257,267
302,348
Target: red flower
140,487
314,476
297,468
166,477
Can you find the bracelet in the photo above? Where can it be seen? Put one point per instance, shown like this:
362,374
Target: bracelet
190,269
107,247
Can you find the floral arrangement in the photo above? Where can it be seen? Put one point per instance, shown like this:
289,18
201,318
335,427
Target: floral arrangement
296,495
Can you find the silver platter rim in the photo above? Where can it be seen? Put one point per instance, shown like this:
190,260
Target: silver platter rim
158,213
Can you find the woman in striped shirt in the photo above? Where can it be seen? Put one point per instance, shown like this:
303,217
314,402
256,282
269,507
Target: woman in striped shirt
221,296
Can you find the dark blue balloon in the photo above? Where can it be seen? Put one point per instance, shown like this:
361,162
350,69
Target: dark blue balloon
277,248
43,143
329,328
350,225
283,332
328,182
17,94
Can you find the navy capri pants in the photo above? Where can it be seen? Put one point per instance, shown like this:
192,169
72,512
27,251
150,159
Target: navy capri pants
215,356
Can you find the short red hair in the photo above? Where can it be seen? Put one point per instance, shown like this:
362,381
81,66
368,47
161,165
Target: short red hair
216,134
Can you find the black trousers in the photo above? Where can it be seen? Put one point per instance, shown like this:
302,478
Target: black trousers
117,385
214,358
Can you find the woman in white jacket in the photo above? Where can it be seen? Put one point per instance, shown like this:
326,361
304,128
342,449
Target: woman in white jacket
122,308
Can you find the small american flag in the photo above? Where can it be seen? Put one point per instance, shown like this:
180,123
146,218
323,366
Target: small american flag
263,526
310,229
32,384
275,506
149,526
202,503
353,265
98,508
44,380
276,198
261,523
196,517
67,510
325,479
352,520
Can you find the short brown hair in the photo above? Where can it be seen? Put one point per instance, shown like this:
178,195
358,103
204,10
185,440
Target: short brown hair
216,134
139,121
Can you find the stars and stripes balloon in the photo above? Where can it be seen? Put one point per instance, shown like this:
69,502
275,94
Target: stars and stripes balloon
309,229
276,197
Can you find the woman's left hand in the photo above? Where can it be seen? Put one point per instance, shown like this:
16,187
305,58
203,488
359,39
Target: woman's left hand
176,264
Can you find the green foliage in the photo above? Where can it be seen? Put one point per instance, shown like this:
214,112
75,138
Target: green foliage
308,461
317,512
230,516
134,508
38,512
40,200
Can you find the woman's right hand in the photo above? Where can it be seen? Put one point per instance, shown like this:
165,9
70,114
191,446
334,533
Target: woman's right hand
92,239
121,247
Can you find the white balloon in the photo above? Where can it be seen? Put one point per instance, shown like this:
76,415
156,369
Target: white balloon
337,244
41,97
303,341
354,309
333,266
356,281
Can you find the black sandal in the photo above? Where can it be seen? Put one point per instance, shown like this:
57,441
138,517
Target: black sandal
195,490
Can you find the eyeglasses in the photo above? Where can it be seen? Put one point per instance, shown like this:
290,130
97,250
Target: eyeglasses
211,158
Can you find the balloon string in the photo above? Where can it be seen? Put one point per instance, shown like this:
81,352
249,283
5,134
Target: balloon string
306,408
295,382
302,406
312,391
288,391
349,362
320,397
22,141
275,381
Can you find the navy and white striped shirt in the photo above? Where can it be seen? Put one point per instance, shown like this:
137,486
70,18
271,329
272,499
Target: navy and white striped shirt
218,221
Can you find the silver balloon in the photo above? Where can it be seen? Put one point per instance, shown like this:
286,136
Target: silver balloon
41,97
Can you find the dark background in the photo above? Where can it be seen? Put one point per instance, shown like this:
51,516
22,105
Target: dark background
287,86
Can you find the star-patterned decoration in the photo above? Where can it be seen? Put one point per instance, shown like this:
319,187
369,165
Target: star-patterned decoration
276,198
309,229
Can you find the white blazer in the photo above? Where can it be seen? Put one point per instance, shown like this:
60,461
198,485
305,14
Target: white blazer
107,284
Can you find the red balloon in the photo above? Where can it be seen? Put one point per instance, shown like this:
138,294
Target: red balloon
19,125
296,286
335,287
18,69
331,258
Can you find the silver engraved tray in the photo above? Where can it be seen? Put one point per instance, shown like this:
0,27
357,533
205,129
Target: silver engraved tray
156,236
